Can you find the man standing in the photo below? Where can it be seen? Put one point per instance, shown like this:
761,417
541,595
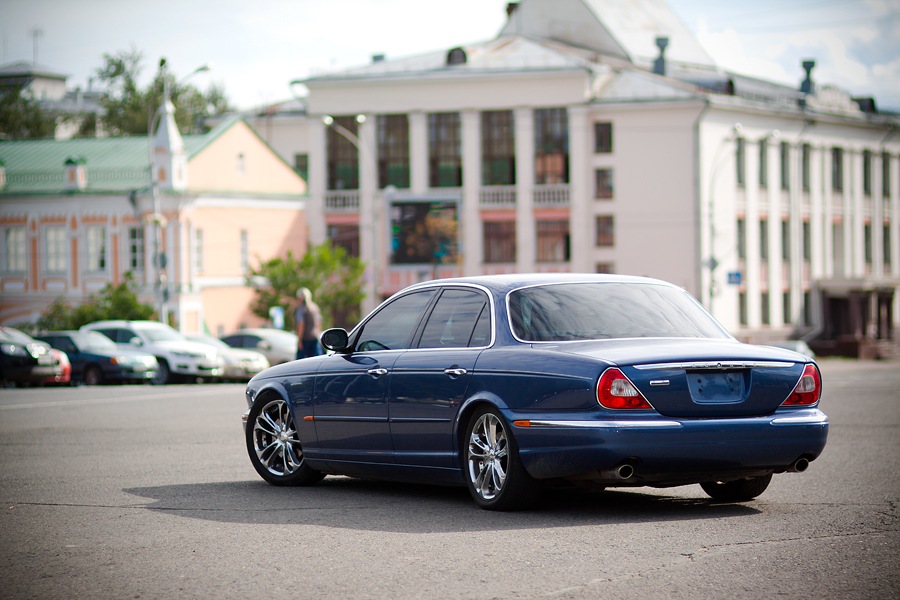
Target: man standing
307,324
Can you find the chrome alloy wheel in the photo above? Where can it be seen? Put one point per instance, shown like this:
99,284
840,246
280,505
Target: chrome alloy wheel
488,456
275,439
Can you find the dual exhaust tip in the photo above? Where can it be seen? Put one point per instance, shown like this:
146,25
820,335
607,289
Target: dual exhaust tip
626,471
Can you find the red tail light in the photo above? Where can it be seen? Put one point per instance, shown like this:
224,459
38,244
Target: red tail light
808,389
614,390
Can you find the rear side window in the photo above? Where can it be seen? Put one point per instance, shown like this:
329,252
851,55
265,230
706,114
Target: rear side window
454,320
393,326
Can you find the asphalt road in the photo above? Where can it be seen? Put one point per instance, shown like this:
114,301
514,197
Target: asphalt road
147,492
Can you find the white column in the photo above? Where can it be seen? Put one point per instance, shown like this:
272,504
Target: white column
371,232
418,152
525,233
318,180
469,221
580,217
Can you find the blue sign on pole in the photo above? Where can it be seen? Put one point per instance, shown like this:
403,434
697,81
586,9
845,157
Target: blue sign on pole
276,313
734,278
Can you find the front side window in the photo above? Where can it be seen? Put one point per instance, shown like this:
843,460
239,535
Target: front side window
393,326
14,245
444,150
458,321
596,311
551,146
56,249
393,151
96,248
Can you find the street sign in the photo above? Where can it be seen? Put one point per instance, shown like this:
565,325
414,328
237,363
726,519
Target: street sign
734,278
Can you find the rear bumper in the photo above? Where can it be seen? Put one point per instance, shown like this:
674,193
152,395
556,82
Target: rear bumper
666,451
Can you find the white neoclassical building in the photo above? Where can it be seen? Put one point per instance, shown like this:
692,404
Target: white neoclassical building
599,136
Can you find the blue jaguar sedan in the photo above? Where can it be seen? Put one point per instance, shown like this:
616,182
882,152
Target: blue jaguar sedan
504,384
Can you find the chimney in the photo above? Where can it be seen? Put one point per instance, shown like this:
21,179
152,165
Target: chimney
76,174
659,65
807,86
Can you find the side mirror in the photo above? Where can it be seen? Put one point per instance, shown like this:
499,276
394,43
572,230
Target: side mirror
335,339
264,345
136,341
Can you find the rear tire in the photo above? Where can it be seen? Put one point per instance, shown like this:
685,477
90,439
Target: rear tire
741,490
494,473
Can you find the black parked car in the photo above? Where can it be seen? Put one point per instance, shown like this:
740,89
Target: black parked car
24,360
96,359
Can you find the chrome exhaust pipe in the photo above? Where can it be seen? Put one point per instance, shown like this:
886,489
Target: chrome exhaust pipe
799,465
622,472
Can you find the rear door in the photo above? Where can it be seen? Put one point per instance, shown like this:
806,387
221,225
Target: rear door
429,382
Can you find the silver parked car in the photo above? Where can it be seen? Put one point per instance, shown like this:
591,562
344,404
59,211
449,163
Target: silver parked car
277,345
240,364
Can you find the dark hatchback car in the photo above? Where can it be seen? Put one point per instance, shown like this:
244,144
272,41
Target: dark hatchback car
96,359
25,360
505,383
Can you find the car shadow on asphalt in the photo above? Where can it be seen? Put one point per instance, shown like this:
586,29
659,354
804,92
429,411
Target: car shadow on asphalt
350,503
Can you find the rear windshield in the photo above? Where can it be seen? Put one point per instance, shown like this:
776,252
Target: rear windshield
596,311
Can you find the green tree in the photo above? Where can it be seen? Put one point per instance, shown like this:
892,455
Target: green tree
113,302
129,109
21,116
333,276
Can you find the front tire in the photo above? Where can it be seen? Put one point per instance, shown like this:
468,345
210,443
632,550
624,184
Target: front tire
495,476
93,375
163,375
274,445
741,490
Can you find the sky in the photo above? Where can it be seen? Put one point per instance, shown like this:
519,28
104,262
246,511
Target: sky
256,48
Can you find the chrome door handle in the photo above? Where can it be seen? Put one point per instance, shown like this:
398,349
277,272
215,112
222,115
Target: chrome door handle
455,372
376,373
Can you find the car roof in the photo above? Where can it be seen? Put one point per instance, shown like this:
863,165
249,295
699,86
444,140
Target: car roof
502,284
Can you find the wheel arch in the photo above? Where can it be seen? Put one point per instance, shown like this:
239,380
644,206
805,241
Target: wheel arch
464,415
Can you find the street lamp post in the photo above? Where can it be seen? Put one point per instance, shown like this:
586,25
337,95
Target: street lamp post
364,152
157,218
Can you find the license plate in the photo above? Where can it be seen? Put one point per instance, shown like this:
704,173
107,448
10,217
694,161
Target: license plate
716,388
45,359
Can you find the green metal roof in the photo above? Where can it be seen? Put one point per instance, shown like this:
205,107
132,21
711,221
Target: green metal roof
113,165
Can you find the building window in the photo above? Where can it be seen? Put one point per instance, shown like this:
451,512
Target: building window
14,239
740,161
837,169
786,307
423,232
742,238
867,243
552,241
805,158
498,148
785,166
886,245
551,146
342,155
742,308
807,241
603,183
764,239
301,166
346,237
886,175
499,241
763,162
867,172
393,151
604,268
764,309
444,150
136,249
245,251
55,240
786,240
96,248
604,231
198,250
603,138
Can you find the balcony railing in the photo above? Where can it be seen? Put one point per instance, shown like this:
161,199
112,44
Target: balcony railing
497,196
342,200
551,195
